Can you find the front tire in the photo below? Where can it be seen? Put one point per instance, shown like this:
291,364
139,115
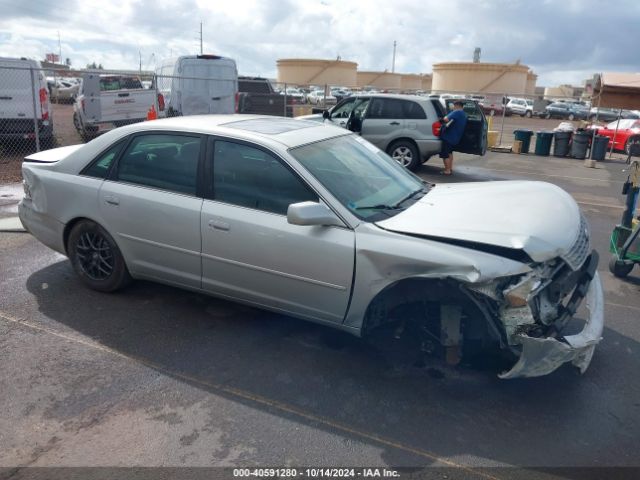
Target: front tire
528,114
405,153
630,141
571,117
96,258
620,268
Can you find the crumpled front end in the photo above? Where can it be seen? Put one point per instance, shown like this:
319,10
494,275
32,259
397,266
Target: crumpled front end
533,310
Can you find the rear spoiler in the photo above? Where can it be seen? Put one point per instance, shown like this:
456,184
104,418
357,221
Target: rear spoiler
53,155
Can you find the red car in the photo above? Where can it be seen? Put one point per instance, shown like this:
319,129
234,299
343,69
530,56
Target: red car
628,133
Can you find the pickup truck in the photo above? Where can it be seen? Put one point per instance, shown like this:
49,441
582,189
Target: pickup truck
256,95
109,101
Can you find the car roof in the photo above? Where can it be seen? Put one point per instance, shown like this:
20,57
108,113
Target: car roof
289,132
399,96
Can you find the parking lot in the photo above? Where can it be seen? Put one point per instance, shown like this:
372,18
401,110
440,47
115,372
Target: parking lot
156,376
65,134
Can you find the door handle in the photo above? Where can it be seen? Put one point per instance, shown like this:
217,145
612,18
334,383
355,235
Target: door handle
219,225
394,123
111,200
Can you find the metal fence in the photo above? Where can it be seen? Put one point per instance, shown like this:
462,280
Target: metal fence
41,109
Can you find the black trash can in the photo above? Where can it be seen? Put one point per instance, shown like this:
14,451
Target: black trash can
580,144
525,137
561,143
543,143
599,147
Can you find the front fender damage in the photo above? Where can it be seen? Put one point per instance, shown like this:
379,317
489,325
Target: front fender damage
541,356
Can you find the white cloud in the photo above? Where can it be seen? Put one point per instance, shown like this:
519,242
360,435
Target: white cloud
564,41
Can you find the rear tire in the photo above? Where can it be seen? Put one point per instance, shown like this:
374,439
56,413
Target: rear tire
620,268
405,153
96,258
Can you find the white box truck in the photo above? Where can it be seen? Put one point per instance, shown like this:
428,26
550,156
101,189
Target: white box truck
198,84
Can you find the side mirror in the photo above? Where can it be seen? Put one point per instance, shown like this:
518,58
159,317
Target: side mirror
326,114
312,213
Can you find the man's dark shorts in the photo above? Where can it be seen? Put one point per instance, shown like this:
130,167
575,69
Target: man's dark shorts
446,149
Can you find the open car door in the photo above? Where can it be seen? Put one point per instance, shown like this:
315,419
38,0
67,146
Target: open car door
474,139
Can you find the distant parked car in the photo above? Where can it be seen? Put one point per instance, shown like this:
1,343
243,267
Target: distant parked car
405,126
494,108
611,114
64,91
294,95
317,97
626,132
566,111
521,106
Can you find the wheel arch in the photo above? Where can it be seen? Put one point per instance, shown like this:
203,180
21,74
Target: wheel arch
414,289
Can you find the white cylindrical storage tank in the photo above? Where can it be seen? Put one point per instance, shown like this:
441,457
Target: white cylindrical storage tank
304,71
427,81
480,77
531,83
410,81
381,80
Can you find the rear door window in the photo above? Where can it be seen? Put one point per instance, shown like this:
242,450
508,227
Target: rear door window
163,161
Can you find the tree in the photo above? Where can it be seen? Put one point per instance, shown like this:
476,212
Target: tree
93,66
67,62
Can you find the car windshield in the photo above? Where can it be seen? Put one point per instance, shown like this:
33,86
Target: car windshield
360,176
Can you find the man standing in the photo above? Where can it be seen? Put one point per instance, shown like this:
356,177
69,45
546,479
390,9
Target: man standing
453,124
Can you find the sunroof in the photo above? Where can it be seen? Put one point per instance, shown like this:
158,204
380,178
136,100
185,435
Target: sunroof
271,126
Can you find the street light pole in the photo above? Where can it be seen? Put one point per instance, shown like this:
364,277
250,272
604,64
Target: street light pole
393,62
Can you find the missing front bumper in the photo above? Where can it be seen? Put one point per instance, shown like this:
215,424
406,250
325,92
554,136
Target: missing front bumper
541,356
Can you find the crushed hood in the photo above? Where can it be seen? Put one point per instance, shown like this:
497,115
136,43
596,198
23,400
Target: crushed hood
535,217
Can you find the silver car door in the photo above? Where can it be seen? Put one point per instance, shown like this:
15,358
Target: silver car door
384,122
340,113
249,250
150,205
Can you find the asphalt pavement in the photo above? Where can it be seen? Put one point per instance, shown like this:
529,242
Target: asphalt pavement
157,376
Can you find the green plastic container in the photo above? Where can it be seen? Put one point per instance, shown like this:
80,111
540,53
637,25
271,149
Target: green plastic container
525,137
543,143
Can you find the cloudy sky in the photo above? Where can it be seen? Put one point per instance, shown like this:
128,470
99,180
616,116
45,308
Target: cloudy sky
564,41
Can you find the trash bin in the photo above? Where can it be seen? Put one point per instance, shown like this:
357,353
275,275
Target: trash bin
543,143
580,144
561,143
525,137
599,147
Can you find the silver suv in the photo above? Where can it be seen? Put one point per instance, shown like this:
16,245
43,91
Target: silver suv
405,126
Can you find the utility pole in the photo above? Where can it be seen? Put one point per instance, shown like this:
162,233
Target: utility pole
200,38
59,48
393,62
140,57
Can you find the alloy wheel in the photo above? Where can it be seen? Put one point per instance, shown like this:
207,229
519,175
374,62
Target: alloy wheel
403,156
95,256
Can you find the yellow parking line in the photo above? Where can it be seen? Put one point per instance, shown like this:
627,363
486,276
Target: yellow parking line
238,393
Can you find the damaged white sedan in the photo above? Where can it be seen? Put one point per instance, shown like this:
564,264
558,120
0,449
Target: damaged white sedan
317,223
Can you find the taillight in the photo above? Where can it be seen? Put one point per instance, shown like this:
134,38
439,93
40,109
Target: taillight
435,128
44,104
237,102
160,102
